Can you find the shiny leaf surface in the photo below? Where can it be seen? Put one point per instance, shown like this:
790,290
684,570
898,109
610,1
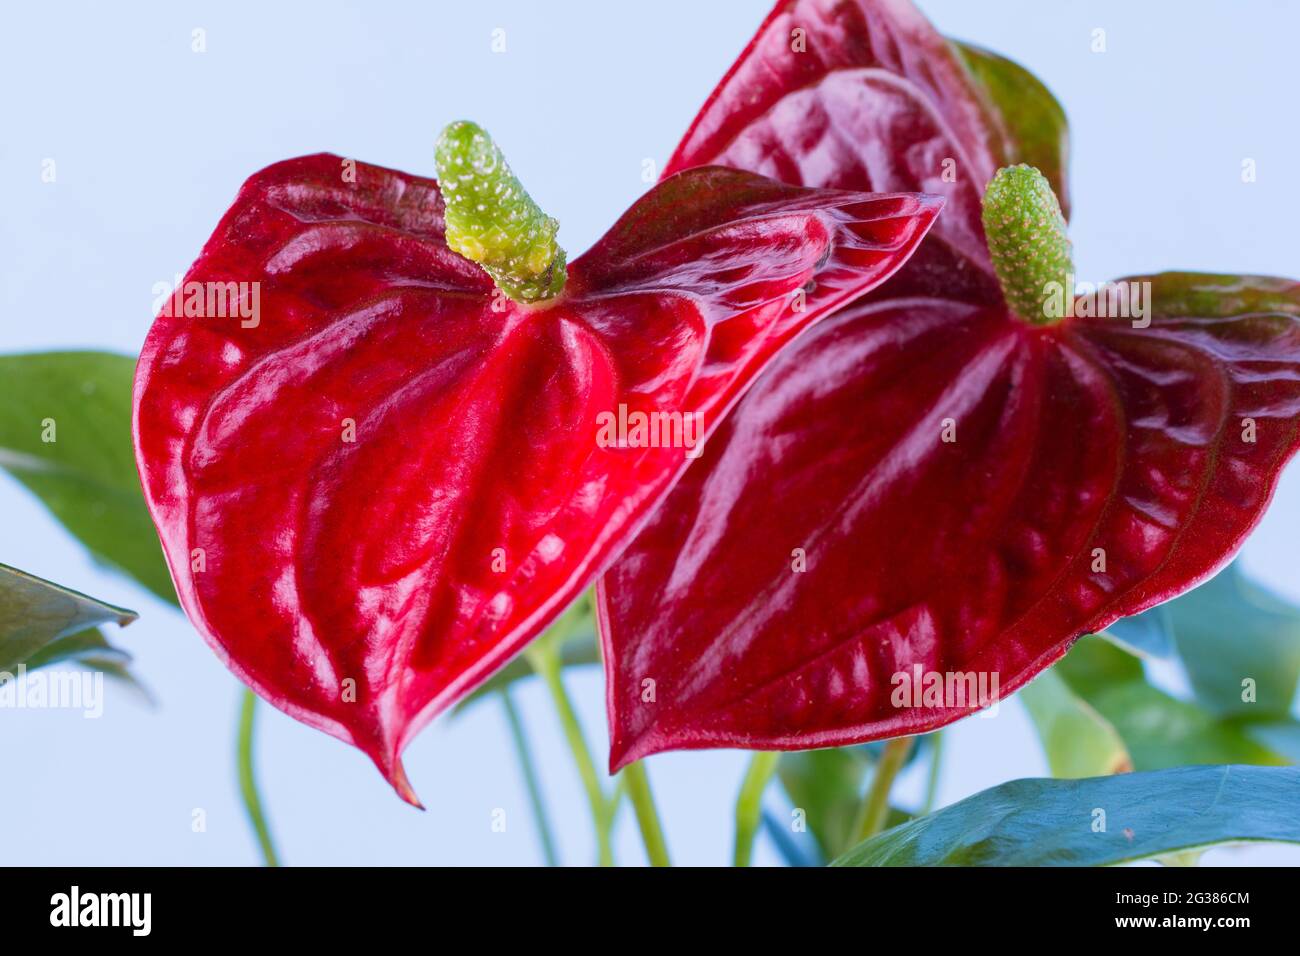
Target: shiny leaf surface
1051,822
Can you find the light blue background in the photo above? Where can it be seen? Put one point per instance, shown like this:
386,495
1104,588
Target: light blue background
151,142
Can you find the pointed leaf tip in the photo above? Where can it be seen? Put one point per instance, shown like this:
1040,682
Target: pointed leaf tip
396,776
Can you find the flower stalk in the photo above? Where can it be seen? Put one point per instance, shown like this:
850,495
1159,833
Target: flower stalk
875,808
749,803
524,754
544,656
637,784
248,780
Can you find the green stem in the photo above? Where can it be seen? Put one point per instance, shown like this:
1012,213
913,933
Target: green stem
544,656
875,808
749,804
616,798
637,784
936,764
530,778
248,781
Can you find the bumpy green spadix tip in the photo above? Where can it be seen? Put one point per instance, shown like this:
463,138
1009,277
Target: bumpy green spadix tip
491,220
1027,241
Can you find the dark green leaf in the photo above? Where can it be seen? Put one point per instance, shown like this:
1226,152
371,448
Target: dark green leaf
86,475
88,645
35,613
1057,822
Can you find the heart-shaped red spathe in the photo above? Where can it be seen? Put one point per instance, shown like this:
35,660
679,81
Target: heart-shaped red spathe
377,488
832,539
925,486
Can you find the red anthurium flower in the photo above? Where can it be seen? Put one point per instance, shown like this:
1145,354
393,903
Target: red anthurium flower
376,475
948,481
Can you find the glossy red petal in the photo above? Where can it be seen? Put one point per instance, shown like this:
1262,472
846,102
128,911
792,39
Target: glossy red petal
867,95
1154,449
375,489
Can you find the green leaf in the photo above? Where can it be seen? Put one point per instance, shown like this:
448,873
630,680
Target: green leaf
86,474
1227,631
1230,632
1094,664
35,613
87,645
1051,822
1162,731
1158,730
1033,124
827,786
91,650
1079,742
